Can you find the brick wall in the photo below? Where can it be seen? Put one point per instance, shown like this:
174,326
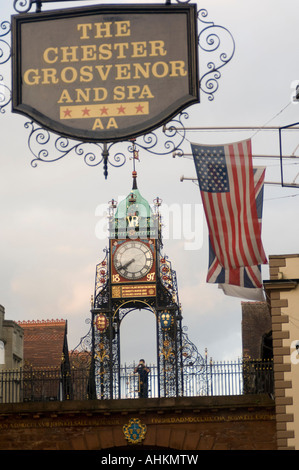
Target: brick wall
256,322
199,423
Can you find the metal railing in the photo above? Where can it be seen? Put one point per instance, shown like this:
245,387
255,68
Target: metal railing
210,379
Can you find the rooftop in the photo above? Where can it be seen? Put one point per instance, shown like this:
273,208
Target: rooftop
44,342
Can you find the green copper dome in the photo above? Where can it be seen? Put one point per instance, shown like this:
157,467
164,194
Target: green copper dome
134,216
134,204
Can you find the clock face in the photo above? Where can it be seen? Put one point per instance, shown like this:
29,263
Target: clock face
133,260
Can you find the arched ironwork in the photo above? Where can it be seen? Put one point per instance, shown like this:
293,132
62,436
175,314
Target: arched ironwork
99,350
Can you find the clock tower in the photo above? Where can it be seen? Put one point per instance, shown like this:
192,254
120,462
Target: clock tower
134,246
135,275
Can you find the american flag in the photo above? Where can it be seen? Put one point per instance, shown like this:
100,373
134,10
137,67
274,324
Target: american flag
226,180
244,282
245,276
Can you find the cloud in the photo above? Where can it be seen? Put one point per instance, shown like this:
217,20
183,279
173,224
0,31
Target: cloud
48,244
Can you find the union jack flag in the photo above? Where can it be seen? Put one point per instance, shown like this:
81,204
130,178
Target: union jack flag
246,281
226,179
245,276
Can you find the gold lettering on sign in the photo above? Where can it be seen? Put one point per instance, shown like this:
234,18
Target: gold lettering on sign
45,423
100,30
135,71
105,55
129,291
213,419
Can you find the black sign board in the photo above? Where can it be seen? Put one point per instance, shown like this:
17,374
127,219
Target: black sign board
104,73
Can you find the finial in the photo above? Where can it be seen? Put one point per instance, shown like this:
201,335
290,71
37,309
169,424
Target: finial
135,153
111,208
134,175
157,202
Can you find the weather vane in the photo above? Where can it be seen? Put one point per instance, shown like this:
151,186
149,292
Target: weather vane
135,154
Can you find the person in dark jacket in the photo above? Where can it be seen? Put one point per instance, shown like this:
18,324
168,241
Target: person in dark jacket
143,372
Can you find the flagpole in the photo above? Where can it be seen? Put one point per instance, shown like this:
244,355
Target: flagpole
253,156
183,178
228,128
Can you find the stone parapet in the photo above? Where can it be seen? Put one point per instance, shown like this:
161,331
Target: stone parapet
244,422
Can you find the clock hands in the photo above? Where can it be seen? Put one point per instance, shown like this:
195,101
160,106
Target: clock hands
133,260
124,266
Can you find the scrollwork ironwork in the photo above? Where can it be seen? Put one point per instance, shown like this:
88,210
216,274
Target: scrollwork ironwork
95,153
102,275
5,95
59,147
5,50
163,141
209,40
23,6
81,354
5,54
190,353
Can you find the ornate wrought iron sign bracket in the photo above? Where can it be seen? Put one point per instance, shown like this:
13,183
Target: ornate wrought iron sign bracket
214,42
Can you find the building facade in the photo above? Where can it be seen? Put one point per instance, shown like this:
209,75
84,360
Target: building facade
45,342
256,330
11,343
283,296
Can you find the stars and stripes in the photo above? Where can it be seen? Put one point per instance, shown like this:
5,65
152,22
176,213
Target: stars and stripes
232,195
245,282
225,176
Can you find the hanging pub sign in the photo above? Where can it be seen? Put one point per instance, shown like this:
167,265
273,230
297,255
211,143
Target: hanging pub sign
105,73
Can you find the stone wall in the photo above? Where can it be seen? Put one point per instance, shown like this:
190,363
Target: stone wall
200,423
283,296
11,337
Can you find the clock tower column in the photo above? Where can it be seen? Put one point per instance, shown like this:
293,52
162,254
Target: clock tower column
135,275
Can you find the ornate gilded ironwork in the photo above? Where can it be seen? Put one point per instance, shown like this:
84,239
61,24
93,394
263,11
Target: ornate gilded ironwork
175,352
166,319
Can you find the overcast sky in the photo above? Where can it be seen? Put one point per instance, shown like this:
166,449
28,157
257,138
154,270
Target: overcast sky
50,214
